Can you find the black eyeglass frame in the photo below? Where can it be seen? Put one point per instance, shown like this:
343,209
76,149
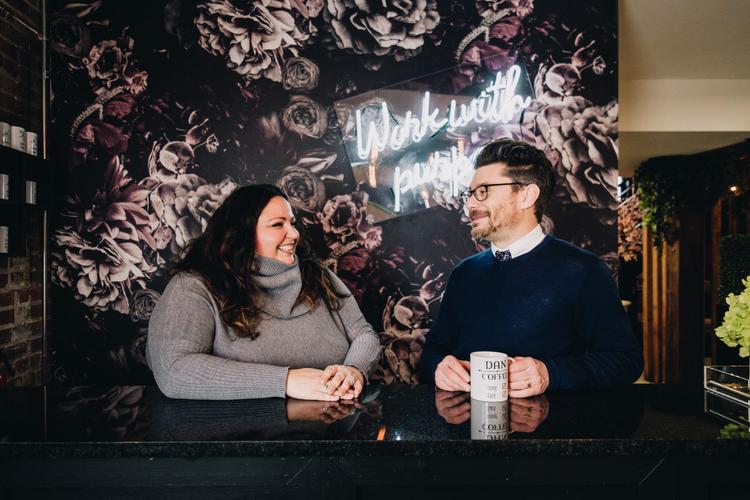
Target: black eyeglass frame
473,192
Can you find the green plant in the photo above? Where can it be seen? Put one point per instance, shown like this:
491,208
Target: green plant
669,184
734,263
735,328
734,431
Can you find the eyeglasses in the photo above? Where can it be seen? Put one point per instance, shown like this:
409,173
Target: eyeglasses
480,192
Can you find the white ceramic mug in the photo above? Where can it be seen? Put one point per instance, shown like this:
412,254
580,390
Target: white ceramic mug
489,375
489,420
18,138
5,134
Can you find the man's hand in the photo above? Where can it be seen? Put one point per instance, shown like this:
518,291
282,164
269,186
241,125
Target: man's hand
528,414
527,377
452,374
454,407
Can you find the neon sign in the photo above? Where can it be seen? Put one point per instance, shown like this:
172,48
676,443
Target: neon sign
498,103
451,171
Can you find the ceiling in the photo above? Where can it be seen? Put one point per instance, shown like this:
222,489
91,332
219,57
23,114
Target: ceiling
684,39
681,40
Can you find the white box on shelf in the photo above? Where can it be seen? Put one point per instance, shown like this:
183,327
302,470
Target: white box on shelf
32,143
31,192
3,239
18,138
4,187
5,134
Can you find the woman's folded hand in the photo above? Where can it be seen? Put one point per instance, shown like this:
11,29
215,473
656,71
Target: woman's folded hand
343,381
304,383
327,412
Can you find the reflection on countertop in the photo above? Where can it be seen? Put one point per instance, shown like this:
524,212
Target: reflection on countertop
386,413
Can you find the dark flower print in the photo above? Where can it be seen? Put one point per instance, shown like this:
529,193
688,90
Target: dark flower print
581,139
107,61
380,28
254,38
184,204
300,75
103,254
401,356
159,114
68,35
306,192
142,304
521,8
305,117
344,220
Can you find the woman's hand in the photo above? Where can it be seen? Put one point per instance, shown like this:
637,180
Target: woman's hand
327,412
343,381
304,383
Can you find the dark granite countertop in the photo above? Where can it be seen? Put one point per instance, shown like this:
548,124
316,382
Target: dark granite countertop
138,421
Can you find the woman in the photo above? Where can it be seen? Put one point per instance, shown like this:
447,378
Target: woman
250,313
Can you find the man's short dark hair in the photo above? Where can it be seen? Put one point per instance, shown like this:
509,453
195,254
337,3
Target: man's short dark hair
526,164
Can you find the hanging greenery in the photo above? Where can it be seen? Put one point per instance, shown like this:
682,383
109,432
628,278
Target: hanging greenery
669,184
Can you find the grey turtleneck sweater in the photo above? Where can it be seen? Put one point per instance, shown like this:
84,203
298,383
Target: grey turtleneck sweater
193,355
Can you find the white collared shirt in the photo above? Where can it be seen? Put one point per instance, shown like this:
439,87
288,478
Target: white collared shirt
524,244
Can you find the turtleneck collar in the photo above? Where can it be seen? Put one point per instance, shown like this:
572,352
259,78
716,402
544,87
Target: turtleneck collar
280,285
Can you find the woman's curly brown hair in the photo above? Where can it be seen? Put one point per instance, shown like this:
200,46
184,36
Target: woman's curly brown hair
224,255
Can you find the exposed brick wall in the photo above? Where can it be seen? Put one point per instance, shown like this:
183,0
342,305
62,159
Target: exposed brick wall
21,312
21,296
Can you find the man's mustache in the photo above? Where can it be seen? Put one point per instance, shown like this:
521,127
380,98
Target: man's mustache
476,214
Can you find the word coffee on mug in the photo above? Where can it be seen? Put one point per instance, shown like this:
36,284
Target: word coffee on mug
489,376
489,420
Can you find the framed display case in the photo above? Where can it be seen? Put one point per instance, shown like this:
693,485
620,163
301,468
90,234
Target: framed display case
25,188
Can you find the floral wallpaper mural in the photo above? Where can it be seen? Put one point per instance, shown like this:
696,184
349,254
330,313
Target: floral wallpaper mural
161,108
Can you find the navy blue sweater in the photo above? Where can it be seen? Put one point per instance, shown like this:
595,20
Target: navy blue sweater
557,303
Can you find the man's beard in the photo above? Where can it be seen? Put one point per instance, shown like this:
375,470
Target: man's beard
484,229
488,229
479,233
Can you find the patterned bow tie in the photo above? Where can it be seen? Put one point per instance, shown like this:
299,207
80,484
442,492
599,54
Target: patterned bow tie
502,255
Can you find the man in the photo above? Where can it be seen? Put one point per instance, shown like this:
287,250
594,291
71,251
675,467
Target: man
550,305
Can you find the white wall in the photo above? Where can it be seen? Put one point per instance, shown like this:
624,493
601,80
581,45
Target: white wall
684,105
684,77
